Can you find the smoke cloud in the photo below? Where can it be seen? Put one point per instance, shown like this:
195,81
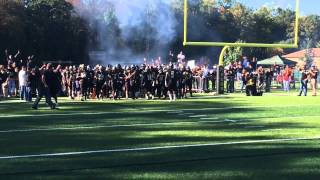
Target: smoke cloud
140,29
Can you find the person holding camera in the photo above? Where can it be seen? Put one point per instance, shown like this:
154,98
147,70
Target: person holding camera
313,79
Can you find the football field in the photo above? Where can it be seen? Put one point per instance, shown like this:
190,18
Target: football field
206,137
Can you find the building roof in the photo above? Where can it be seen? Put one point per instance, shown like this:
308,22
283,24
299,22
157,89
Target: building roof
276,60
314,52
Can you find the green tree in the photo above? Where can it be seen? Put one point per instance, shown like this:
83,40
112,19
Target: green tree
242,21
233,54
208,6
58,33
285,22
309,31
13,22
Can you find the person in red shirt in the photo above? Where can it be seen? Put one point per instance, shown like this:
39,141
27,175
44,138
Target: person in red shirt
287,73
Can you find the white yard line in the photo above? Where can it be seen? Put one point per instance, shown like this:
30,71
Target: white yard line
230,120
151,148
198,116
266,130
213,118
212,121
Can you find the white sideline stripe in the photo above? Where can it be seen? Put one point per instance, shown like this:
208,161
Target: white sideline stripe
141,111
232,107
233,121
198,116
212,121
151,148
272,130
109,126
214,118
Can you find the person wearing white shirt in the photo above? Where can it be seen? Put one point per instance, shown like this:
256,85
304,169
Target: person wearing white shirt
23,83
181,57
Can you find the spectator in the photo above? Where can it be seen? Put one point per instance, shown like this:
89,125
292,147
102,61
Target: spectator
239,70
23,83
287,73
4,83
303,81
230,73
28,94
314,76
245,62
170,57
254,63
30,63
269,77
213,78
205,78
12,76
181,57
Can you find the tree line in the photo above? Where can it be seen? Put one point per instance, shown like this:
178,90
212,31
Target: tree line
49,29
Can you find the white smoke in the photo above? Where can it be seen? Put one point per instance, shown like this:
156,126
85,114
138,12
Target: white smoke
131,12
132,16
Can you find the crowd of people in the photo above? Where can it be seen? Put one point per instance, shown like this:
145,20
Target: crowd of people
256,79
162,81
26,80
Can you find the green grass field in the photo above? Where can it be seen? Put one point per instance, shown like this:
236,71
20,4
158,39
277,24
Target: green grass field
206,137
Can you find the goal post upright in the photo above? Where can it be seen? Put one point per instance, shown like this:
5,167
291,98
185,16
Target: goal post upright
296,25
226,45
256,45
185,23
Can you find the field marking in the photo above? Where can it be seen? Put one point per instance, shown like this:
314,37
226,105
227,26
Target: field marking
107,126
212,121
151,148
266,130
141,111
198,116
213,118
232,121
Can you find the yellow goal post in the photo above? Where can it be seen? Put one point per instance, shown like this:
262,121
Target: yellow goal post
256,45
